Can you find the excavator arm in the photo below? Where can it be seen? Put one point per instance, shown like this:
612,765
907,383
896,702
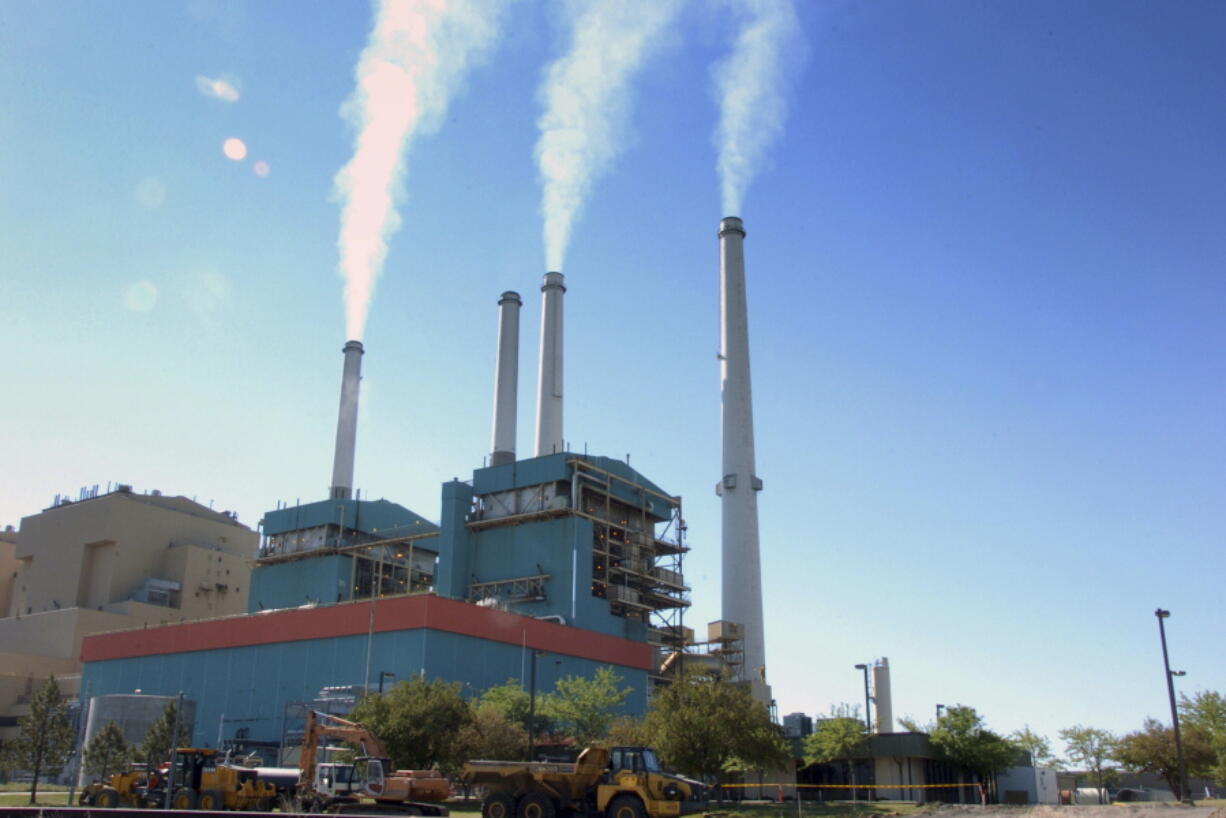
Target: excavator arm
319,725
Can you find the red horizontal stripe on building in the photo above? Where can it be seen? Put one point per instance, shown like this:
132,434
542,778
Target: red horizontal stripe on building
353,619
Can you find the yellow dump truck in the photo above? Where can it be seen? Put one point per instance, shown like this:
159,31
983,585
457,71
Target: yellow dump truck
622,782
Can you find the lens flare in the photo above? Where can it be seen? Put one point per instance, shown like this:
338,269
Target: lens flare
261,168
141,296
234,148
150,193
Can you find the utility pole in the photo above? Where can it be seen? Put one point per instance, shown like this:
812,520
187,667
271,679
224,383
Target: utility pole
532,706
174,751
868,718
1184,793
82,715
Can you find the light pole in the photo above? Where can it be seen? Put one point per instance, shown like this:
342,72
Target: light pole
385,674
868,719
1183,793
532,705
940,707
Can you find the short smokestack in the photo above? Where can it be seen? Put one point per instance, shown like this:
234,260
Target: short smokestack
549,379
506,380
742,573
881,696
347,423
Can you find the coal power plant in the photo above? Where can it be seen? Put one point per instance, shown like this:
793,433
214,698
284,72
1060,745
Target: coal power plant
573,556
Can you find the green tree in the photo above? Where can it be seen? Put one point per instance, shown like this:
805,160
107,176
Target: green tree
1092,748
1152,749
515,703
1038,746
703,724
490,734
419,721
108,752
837,738
962,735
583,708
1206,711
45,736
627,731
158,743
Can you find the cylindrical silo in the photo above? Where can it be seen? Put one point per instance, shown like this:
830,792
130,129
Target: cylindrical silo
134,713
881,695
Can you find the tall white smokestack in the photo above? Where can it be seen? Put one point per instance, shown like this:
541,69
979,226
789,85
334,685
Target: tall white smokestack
549,378
881,696
742,574
506,380
347,423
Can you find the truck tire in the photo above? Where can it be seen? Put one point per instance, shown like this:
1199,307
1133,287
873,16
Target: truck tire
535,804
625,806
211,801
498,804
184,798
107,798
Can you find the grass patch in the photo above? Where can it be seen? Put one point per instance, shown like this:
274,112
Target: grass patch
740,809
45,799
24,786
817,809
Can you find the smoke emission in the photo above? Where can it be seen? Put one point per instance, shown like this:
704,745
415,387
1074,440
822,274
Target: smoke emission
750,86
415,60
585,97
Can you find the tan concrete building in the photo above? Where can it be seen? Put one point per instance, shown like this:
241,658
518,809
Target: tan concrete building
119,560
8,565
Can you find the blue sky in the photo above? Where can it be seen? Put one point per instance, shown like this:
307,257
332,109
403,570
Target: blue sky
987,280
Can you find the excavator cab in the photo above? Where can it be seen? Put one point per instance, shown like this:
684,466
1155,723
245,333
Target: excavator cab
369,774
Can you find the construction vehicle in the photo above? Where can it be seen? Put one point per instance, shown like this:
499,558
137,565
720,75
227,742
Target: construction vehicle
200,780
368,785
128,789
622,782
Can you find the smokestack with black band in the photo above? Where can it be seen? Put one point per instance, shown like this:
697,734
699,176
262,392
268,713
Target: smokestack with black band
549,379
506,380
742,574
347,423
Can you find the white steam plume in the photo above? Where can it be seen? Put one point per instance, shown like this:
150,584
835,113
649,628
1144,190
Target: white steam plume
415,60
586,105
750,84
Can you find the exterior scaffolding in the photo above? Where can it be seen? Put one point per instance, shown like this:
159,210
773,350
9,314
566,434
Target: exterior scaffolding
637,545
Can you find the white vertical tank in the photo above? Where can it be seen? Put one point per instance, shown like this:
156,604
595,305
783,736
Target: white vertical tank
506,380
134,713
347,423
549,377
881,696
739,486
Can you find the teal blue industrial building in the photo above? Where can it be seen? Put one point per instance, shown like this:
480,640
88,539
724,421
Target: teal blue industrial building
569,561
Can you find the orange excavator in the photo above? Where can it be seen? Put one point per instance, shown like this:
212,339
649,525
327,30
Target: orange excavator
368,785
